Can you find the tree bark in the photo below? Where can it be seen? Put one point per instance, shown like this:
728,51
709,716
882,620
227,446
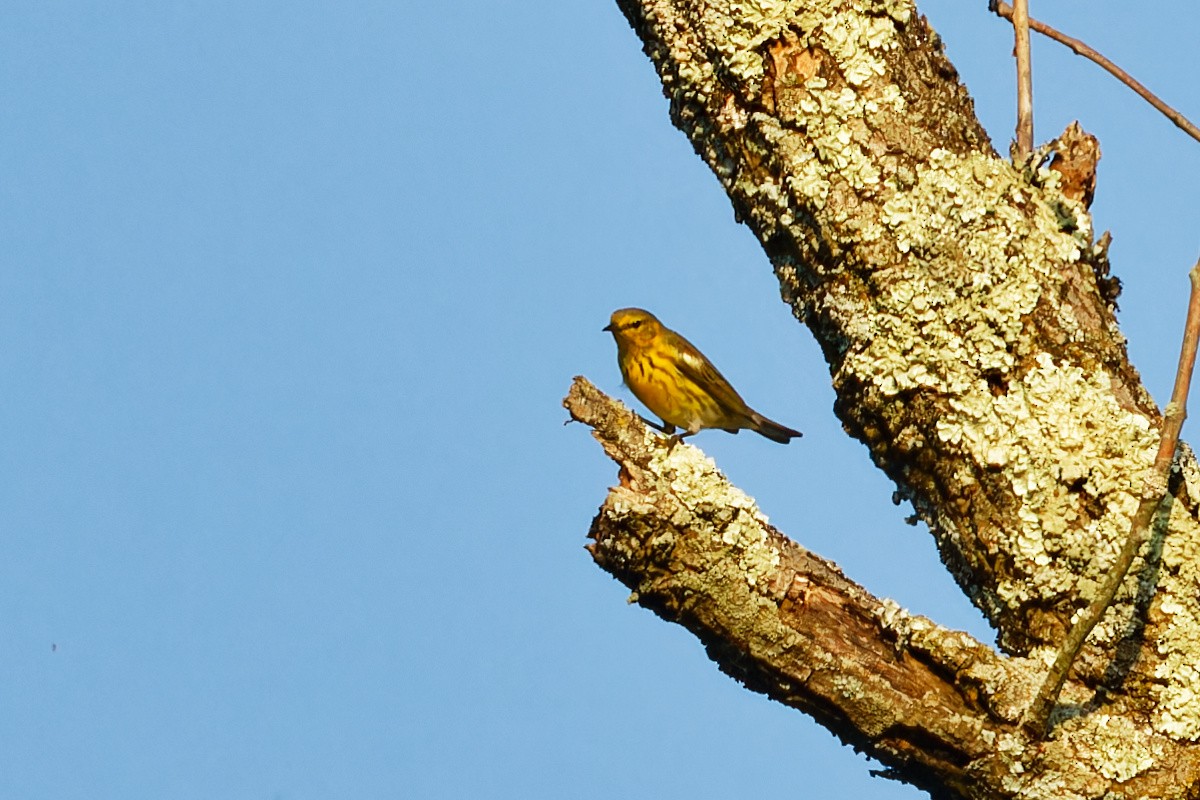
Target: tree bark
966,316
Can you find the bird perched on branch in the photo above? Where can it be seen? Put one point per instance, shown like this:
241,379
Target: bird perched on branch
678,384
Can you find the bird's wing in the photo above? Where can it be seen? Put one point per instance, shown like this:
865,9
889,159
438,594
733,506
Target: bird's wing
698,369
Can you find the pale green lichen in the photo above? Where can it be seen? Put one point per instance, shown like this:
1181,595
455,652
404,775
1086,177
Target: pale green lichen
940,327
899,10
1114,746
854,42
748,25
1178,644
740,29
836,120
705,493
1035,432
1057,430
1176,713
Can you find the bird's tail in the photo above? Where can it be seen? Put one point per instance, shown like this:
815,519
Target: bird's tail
773,430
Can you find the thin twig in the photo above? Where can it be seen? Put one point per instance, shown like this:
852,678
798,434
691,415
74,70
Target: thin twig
1006,11
1020,21
1155,488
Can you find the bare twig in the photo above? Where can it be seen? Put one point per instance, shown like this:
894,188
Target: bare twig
1006,11
1153,491
1020,21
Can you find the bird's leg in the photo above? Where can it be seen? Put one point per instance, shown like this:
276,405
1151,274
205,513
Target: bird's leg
664,427
679,437
669,429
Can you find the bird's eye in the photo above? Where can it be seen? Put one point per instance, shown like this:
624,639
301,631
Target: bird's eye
635,323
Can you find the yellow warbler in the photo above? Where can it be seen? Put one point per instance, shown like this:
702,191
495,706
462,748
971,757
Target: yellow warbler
676,382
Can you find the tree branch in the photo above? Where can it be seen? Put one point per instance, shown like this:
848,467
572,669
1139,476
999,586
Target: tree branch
1079,48
784,621
1020,23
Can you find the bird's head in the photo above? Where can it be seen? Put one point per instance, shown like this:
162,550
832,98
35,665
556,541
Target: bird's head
633,326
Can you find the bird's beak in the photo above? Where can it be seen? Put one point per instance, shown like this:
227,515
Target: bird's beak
608,328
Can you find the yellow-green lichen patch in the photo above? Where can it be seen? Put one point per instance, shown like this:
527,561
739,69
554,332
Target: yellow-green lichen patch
1034,432
980,259
807,178
980,203
624,502
747,25
836,134
1114,746
835,119
839,118
1009,685
1178,641
739,29
854,40
899,10
1177,715
958,214
706,495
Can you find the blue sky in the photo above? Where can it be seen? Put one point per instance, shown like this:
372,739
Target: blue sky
291,294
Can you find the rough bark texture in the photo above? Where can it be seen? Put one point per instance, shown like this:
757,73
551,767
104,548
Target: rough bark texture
972,349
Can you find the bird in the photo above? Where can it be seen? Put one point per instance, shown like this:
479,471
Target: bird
678,384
